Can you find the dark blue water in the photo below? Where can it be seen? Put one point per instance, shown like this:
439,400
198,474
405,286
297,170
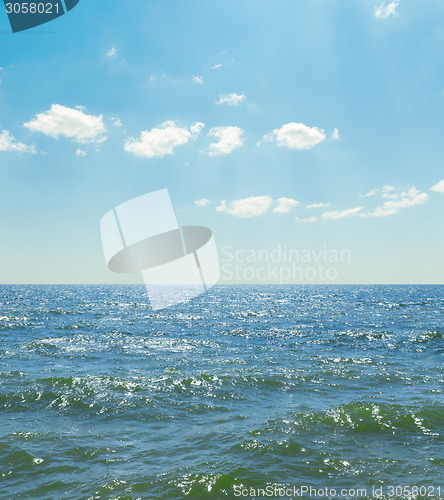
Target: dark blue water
338,387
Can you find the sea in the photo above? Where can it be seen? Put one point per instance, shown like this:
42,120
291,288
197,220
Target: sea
245,392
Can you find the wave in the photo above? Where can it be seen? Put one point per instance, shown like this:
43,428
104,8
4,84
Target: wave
363,417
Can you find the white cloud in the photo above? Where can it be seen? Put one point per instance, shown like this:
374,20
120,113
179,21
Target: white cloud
112,52
222,207
247,207
308,219
216,66
284,205
384,11
198,79
196,128
397,199
230,138
318,205
9,143
335,135
296,136
372,192
162,140
72,123
340,214
231,99
439,188
81,153
117,122
202,202
385,192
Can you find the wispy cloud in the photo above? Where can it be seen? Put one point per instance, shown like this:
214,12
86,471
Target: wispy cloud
216,66
202,202
231,99
117,122
72,123
397,199
246,207
295,136
341,214
307,219
81,153
198,79
385,191
386,10
229,139
335,135
284,205
112,52
439,187
162,140
317,205
9,143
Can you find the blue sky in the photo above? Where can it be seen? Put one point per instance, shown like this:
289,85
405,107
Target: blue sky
256,110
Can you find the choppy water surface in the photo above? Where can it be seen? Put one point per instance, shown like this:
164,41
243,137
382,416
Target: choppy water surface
325,386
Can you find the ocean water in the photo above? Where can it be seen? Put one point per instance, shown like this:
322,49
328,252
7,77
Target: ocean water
245,387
